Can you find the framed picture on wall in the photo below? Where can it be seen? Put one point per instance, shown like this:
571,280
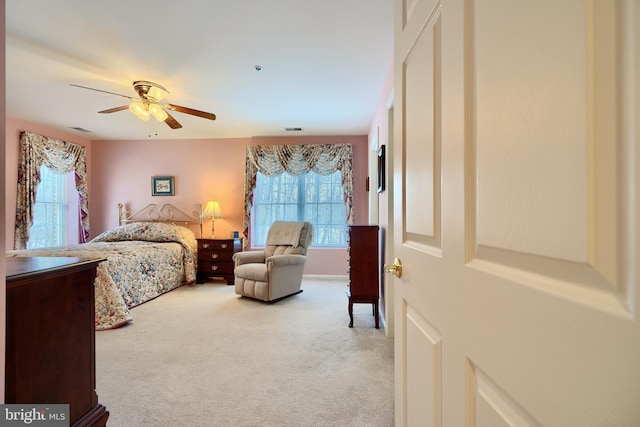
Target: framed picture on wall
381,168
162,186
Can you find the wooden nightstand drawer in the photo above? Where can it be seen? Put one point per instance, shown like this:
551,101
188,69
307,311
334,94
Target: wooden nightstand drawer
215,245
216,268
215,255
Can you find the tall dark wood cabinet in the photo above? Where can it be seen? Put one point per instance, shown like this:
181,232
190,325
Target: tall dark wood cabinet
50,336
364,268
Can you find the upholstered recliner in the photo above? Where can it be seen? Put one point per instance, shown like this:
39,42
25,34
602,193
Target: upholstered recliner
275,272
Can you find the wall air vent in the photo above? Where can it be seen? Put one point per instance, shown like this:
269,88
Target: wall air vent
79,129
293,129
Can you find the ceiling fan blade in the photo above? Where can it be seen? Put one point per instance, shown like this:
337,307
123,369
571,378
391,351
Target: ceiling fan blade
113,110
191,111
171,122
103,91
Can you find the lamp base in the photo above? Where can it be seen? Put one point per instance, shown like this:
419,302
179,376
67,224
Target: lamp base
213,221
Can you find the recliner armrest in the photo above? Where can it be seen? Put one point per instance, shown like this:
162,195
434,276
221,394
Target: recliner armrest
248,257
279,260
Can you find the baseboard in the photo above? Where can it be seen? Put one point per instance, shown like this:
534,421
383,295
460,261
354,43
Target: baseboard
335,277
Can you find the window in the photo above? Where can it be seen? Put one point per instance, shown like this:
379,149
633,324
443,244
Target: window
311,197
50,214
62,157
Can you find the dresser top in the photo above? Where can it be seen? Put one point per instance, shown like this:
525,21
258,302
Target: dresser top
20,267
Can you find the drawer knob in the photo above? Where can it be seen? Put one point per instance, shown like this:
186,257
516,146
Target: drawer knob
214,256
223,245
214,267
205,245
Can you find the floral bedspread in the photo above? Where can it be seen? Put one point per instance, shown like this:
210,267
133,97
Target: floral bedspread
143,261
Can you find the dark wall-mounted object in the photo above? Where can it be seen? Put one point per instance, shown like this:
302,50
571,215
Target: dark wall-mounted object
381,168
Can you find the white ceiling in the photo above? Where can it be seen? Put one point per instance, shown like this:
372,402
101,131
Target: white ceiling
324,64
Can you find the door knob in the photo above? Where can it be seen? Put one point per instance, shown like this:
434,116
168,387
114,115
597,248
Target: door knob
395,268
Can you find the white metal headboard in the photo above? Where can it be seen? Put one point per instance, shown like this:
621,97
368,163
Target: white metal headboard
154,212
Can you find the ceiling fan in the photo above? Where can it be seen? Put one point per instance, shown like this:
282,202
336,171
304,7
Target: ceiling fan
148,104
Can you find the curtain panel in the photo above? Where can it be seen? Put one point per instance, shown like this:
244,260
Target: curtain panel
297,160
59,156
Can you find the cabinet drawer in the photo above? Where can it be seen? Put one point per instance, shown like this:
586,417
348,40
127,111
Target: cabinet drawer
215,245
215,255
217,268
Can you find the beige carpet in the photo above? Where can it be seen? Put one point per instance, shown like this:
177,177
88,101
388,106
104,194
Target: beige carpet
202,356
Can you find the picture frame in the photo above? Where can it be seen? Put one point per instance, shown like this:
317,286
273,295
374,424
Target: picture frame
162,186
381,168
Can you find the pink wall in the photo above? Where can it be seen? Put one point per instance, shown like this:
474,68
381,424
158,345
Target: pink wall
13,127
204,169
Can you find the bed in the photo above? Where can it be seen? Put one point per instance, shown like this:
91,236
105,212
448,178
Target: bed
149,253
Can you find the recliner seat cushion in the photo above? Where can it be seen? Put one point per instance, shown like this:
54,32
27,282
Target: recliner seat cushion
257,272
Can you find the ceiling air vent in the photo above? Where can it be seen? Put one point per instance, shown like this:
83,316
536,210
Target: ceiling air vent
293,129
80,129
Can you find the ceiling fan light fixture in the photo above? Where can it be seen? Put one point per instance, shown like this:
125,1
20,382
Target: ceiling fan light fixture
137,107
161,116
155,109
144,116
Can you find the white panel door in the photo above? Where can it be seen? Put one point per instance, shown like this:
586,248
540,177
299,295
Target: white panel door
517,212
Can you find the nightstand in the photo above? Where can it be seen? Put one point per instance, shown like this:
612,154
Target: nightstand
215,258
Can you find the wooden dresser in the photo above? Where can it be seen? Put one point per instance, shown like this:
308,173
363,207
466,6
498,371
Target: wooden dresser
364,269
50,336
215,258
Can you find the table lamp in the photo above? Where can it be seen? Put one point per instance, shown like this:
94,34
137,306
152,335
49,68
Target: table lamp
213,211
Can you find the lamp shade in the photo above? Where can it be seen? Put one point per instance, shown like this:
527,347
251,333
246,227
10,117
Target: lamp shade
212,210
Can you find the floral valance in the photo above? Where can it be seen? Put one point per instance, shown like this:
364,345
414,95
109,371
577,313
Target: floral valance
59,156
296,160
